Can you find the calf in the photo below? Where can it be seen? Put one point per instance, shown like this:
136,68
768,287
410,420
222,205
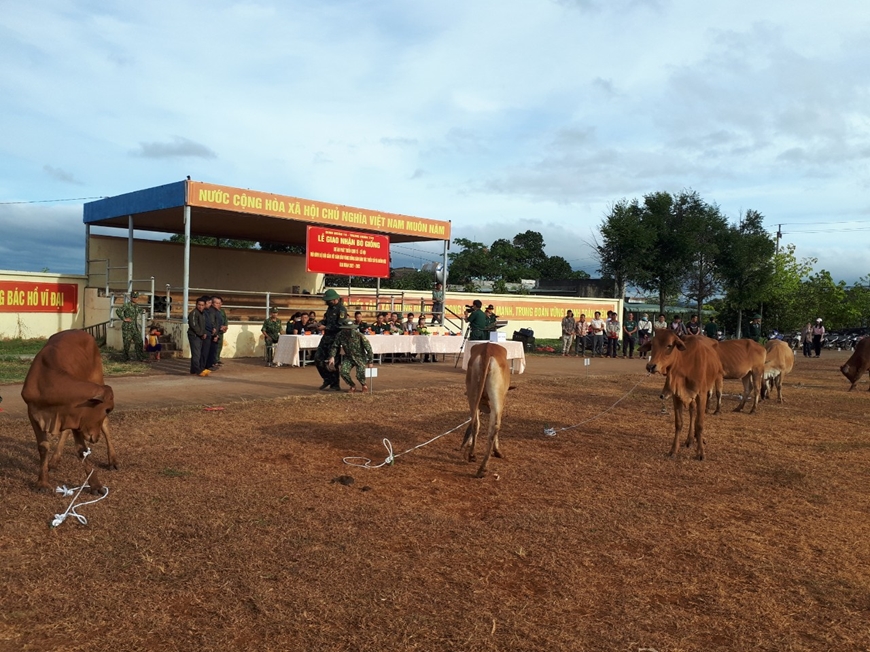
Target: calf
487,381
692,369
858,363
778,362
742,360
64,391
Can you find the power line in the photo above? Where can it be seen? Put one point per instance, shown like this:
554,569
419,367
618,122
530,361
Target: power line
46,201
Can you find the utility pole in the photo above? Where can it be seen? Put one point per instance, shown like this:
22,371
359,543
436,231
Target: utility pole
778,236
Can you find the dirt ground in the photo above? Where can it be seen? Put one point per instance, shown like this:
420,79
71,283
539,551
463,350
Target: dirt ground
245,528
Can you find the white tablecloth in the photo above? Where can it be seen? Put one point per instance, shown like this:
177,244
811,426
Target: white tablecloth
515,353
288,347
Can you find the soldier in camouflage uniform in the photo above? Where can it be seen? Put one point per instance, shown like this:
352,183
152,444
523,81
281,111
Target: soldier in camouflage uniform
357,353
271,332
129,314
336,313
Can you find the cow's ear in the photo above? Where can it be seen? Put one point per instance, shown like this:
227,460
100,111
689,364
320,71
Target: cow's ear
680,345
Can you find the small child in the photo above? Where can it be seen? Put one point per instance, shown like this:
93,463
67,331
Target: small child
153,346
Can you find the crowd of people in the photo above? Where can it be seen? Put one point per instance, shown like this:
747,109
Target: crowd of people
605,338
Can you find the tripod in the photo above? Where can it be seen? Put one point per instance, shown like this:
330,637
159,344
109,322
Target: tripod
462,346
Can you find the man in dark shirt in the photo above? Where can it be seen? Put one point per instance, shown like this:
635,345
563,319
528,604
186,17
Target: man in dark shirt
477,322
196,335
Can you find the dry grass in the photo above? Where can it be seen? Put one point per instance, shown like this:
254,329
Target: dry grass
227,530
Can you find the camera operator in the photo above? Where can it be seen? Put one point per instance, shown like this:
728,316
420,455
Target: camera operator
477,321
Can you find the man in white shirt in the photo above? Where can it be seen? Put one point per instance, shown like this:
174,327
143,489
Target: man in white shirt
596,327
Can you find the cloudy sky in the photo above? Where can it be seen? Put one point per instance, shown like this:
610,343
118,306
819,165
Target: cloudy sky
500,116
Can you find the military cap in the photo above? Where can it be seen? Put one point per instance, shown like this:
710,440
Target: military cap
330,294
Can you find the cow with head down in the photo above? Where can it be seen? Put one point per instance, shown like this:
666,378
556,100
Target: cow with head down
64,392
487,381
777,364
692,369
858,364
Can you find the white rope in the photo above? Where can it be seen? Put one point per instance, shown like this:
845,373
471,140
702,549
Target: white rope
71,510
551,432
366,463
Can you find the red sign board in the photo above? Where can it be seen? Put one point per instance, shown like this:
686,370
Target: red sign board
24,296
348,253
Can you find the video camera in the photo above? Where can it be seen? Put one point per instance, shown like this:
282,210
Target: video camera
469,309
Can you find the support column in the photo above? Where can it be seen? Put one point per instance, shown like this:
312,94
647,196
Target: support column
129,254
186,272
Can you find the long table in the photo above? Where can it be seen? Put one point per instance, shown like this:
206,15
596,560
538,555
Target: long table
288,347
515,353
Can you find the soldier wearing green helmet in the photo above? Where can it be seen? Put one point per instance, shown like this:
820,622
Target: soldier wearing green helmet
336,313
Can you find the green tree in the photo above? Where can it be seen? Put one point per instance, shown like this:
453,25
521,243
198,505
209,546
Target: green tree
708,230
784,304
668,251
623,244
748,267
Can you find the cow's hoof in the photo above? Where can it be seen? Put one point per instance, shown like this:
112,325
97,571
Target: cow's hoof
43,489
98,490
480,474
498,455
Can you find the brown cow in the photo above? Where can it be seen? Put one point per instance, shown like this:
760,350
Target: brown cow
778,362
858,363
487,381
692,369
742,360
64,391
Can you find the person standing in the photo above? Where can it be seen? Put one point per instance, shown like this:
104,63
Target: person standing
596,327
568,328
807,340
660,323
581,333
219,318
818,336
196,335
129,314
614,330
477,322
357,353
644,328
629,335
335,314
711,330
754,330
438,304
271,333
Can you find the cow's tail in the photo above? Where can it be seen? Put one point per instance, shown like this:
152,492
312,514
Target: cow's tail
483,376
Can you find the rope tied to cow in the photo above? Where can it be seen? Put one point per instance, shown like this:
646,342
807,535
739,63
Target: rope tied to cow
551,432
66,491
366,463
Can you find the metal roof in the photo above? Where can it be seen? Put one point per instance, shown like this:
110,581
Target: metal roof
227,212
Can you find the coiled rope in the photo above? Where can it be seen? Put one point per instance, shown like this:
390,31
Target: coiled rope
551,432
366,463
71,510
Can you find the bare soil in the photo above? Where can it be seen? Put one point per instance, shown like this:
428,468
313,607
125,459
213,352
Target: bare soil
244,528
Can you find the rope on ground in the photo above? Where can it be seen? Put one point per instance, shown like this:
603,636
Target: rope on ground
366,463
551,432
71,510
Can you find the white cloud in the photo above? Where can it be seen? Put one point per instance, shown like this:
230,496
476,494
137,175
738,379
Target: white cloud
490,114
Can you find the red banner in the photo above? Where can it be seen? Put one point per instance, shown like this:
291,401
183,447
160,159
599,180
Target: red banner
24,296
348,253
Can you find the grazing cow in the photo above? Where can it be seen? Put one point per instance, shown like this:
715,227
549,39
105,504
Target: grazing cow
692,369
778,362
858,363
487,381
742,360
64,391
